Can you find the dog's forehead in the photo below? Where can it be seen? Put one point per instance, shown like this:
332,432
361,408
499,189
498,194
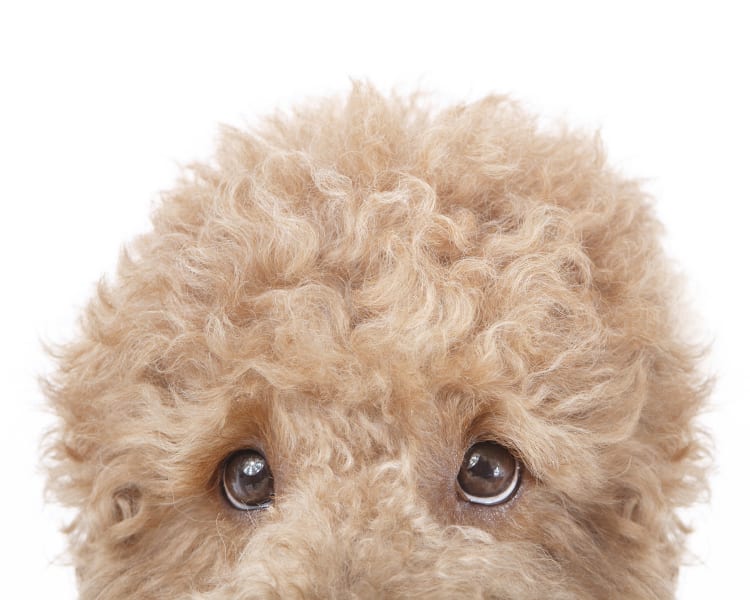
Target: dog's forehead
435,316
411,316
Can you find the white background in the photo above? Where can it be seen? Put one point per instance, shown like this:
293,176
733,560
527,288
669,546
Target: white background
99,104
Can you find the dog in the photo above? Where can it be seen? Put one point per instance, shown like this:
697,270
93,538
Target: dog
380,350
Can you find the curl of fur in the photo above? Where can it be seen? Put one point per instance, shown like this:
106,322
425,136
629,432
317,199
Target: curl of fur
361,289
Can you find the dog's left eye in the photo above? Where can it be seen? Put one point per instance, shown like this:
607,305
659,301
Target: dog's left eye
489,474
247,480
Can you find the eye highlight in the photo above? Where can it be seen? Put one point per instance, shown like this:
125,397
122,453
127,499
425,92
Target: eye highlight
247,480
489,474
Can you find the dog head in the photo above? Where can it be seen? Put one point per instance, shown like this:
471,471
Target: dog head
375,350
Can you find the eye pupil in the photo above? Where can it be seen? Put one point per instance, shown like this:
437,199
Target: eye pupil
247,480
489,474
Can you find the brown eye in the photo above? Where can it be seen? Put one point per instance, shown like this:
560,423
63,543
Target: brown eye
247,480
489,474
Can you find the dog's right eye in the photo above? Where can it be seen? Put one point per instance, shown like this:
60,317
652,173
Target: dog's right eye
489,474
247,480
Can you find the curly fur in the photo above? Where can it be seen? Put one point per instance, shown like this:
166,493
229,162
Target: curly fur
361,289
